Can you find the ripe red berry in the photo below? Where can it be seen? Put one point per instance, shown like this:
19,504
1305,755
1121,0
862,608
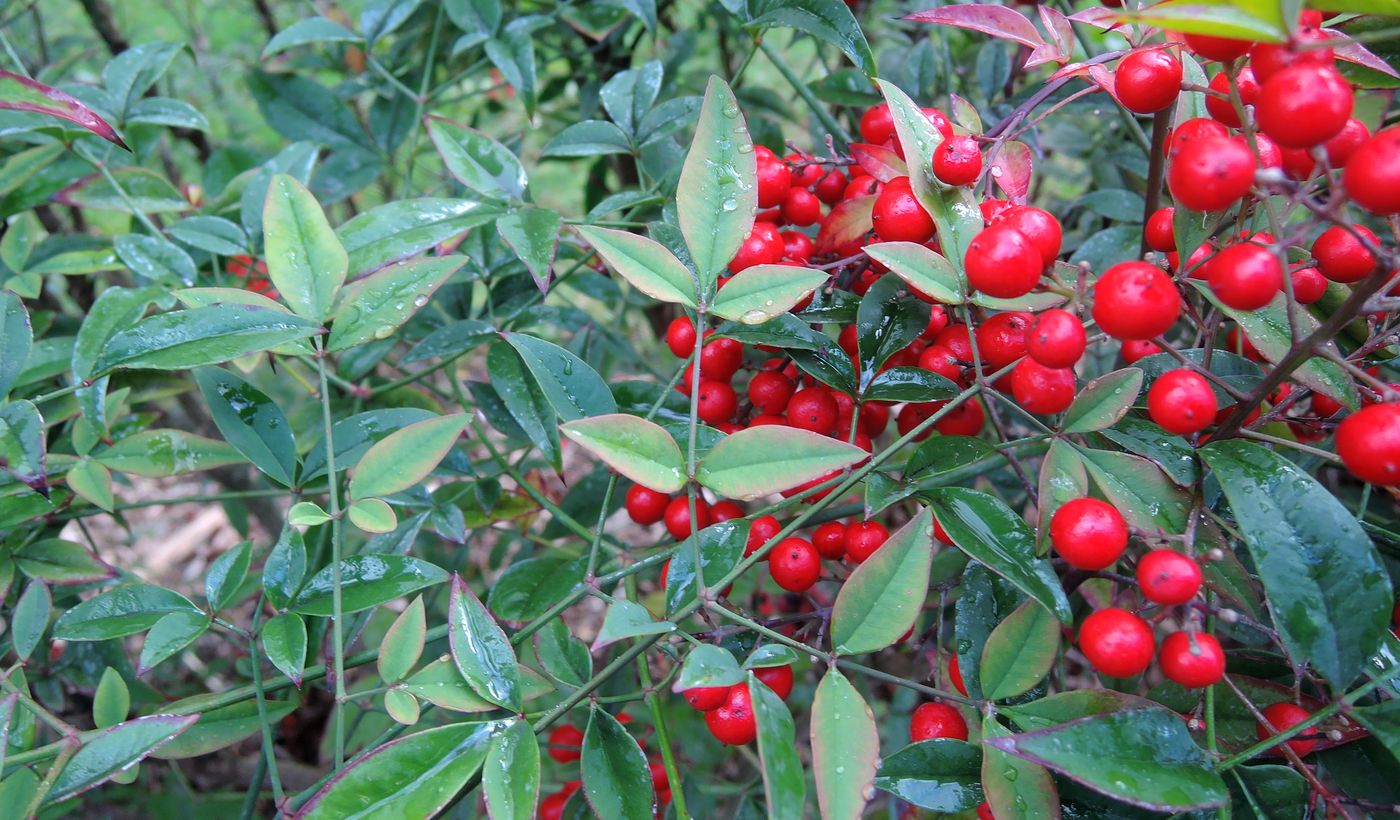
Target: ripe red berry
1134,300
759,248
813,408
795,564
1116,642
877,124
984,810
1372,177
1001,339
725,511
1304,105
1180,401
1193,130
957,161
1168,578
801,207
1194,661
1245,276
677,516
955,670
1088,533
1002,262
777,678
1135,349
761,531
830,540
964,420
1042,390
717,402
1282,717
1147,80
774,180
1341,148
863,538
797,246
1369,443
705,698
733,722
1308,285
1160,233
936,720
1267,59
898,216
957,340
939,359
645,505
1056,339
720,359
1211,174
565,743
830,187
552,806
1220,49
1340,255
1222,109
940,121
1039,226
680,336
770,390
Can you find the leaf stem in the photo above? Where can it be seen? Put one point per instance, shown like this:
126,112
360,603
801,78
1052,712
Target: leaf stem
337,615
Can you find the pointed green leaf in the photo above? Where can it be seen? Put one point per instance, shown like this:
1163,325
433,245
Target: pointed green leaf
481,650
718,192
305,260
405,457
626,619
530,587
118,612
1141,491
284,641
638,449
402,644
115,750
573,389
921,268
1015,787
884,595
511,777
111,701
30,618
377,305
477,161
762,292
708,665
845,748
533,233
200,336
784,785
616,779
406,227
761,460
367,581
61,562
1019,652
171,634
564,657
942,775
226,575
160,453
250,421
721,547
645,263
1103,401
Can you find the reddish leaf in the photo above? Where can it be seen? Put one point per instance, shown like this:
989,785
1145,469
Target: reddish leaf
1012,170
1351,51
998,21
879,161
847,222
20,93
1059,28
1100,17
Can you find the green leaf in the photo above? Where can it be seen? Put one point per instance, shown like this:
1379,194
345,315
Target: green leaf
573,389
1066,706
141,190
1232,368
373,515
477,161
533,233
186,339
413,776
226,576
30,618
20,93
760,460
130,74
914,384
115,750
402,644
987,530
160,453
564,657
1143,757
511,777
306,514
1103,401
1383,722
285,568
111,702
773,654
1019,652
405,457
845,747
940,455
397,230
922,269
530,587
1173,454
589,138
284,642
119,612
638,449
16,338
626,619
1015,787
943,775
784,785
829,365
481,650
1277,792
785,331
353,436
61,562
709,665
210,233
92,482
451,340
513,54
884,595
171,634
829,20
1251,20
984,601
523,401
1144,495
154,259
23,448
645,263
762,292
377,305
402,706
221,728
1325,585
310,30
305,260
721,547
717,195
367,581
887,322
250,421
441,684
616,778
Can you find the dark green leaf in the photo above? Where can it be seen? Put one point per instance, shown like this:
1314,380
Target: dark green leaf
30,618
250,421
200,336
909,384
1103,401
564,657
626,619
721,547
366,581
171,634
397,230
118,612
533,233
114,750
573,388
528,407
830,20
530,587
284,642
225,576
223,727
616,778
708,665
888,320
1144,495
481,650
1019,652
589,138
511,777
943,775
477,161
1015,787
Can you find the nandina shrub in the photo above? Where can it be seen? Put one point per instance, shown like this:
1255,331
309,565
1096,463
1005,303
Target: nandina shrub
978,410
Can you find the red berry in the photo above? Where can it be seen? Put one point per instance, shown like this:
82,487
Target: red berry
1168,577
964,420
877,124
1369,443
1193,130
1341,148
1042,390
761,531
955,674
957,161
936,720
1147,80
984,811
1056,339
1088,533
801,207
725,511
1001,339
1211,174
1160,233
677,516
1340,255
1245,276
1135,349
940,121
957,340
1372,176
1134,300
733,722
797,246
830,540
1220,49
717,402
795,564
720,359
1268,59
1222,109
777,678
770,391
863,538
705,698
813,408
1304,105
1116,642
759,248
1002,262
565,743
939,359
1282,717
898,216
680,336
1180,401
774,180
831,187
1308,285
645,505
1039,226
1194,661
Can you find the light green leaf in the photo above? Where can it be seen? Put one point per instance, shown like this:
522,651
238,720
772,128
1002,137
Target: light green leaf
305,260
761,460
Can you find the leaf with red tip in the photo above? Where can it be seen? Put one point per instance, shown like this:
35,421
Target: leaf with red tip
1350,51
848,222
880,162
19,93
988,18
1011,168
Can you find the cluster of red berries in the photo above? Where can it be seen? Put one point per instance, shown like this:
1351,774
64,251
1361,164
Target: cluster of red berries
729,709
565,745
253,272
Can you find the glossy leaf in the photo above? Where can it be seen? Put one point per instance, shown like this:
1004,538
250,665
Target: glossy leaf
1103,401
481,650
760,460
118,612
16,338
114,750
169,636
250,421
1014,787
1324,582
512,387
154,260
375,306
830,20
92,482
405,457
510,778
221,728
402,644
1019,652
441,684
372,515
616,779
573,389
589,138
20,93
940,455
353,436
921,268
762,292
284,642
887,322
451,340
477,161
1141,492
305,260
402,707
911,384
845,747
1063,707
29,619
645,263
367,581
533,233
58,561
708,665
718,192
285,568
626,619
1173,454
638,449
721,547
784,785
309,30
883,596
200,336
564,657
532,586
943,775
397,230
136,189
225,576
